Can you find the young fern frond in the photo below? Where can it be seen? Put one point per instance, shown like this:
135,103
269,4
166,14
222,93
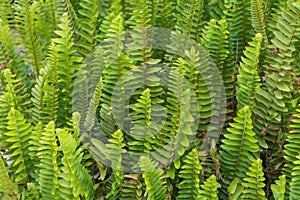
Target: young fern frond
48,154
189,186
278,189
114,154
155,185
143,131
238,146
209,190
69,63
7,189
248,78
254,182
45,92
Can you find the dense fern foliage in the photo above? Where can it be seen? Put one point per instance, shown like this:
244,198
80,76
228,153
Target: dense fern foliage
149,99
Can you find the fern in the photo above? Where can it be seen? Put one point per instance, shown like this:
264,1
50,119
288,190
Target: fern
278,189
69,63
116,149
143,131
216,42
238,146
189,18
87,26
294,192
131,187
291,148
45,91
257,19
7,189
17,139
273,100
74,180
238,15
177,132
189,187
248,78
49,164
153,178
210,188
254,182
25,19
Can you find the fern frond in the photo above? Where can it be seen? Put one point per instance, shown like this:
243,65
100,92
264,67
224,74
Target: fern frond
143,131
44,93
17,139
153,178
141,20
189,18
257,19
295,183
116,149
47,19
238,146
7,189
131,187
254,182
278,189
238,15
291,147
216,42
189,186
69,63
178,129
25,18
248,78
87,26
74,180
210,188
49,164
166,8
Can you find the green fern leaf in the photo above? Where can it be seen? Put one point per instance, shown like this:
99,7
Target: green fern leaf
74,180
69,63
278,189
17,139
254,182
210,188
238,146
257,19
189,187
153,178
49,164
248,79
295,183
25,18
7,189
